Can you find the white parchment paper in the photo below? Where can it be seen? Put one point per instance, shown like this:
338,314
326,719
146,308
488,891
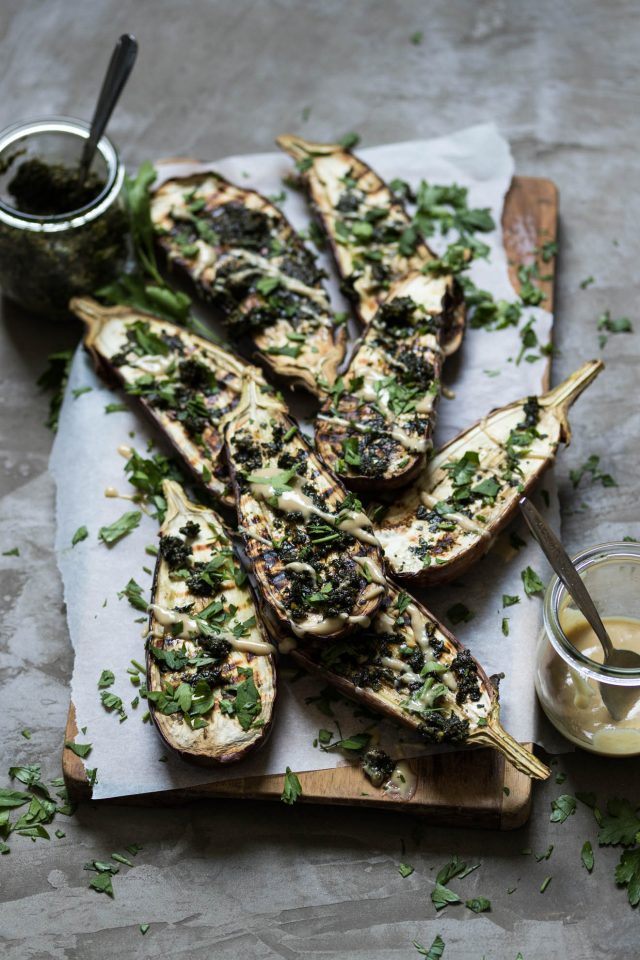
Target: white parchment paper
129,756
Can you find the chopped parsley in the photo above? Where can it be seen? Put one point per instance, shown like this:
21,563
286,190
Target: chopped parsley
434,952
564,806
531,582
120,528
292,788
586,856
405,870
509,600
591,468
80,749
81,534
442,896
478,904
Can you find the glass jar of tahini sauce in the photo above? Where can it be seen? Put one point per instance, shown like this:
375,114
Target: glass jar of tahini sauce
569,662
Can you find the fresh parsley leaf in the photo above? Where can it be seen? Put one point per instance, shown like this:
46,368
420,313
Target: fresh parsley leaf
441,896
505,626
620,824
545,883
349,141
591,468
478,904
80,749
102,883
434,952
247,702
509,600
14,552
107,677
13,798
81,534
55,379
133,593
564,806
586,855
454,868
120,528
143,928
587,282
417,38
116,408
292,788
531,582
405,870
628,874
353,744
459,613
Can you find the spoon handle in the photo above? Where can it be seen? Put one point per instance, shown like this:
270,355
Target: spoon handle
120,66
561,563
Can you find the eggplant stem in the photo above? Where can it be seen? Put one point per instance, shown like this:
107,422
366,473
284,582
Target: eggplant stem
493,735
299,148
570,389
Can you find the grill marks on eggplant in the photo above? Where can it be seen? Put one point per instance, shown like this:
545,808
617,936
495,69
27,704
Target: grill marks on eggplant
307,540
244,256
469,492
185,383
210,670
376,428
407,666
371,235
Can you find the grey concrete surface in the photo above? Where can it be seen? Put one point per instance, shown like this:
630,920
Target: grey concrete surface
259,881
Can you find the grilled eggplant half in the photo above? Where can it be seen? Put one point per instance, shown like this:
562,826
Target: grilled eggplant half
307,540
244,256
469,491
375,430
373,241
184,383
409,667
211,680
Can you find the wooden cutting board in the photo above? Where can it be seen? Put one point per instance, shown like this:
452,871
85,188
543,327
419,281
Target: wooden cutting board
473,788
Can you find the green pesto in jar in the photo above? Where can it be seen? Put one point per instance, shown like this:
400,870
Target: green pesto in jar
56,246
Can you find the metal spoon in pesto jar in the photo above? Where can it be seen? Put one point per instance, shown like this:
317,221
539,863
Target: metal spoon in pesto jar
617,699
120,66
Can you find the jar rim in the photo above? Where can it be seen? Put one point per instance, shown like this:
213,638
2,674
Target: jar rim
54,223
622,550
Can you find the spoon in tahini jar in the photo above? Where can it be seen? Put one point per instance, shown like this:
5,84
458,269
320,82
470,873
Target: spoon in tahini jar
120,66
617,699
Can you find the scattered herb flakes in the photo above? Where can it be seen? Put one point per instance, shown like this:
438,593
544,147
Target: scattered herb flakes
80,749
13,798
102,883
55,379
120,859
591,469
544,856
106,678
587,282
548,250
405,870
60,834
478,904
620,824
454,868
356,743
586,855
14,552
349,141
81,534
506,791
78,392
627,874
292,788
116,408
26,733
508,600
120,528
459,613
545,883
417,38
434,952
143,928
134,849
133,593
612,325
441,896
92,775
505,626
531,582
564,806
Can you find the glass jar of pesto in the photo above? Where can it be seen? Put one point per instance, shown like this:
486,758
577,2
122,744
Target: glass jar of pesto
58,238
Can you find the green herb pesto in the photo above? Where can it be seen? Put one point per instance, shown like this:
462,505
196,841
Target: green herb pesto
44,270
